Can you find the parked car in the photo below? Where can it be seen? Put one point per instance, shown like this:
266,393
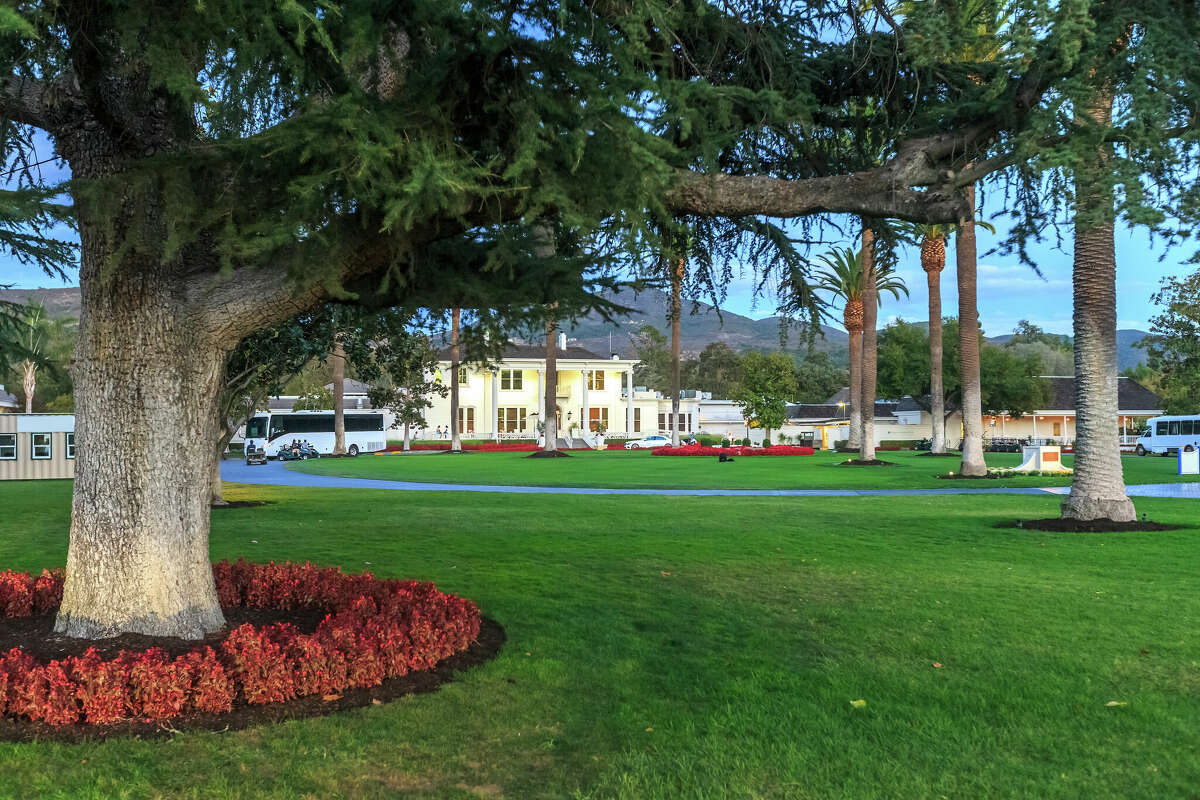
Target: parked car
647,442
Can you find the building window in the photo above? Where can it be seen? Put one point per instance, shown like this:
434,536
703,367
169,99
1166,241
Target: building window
463,378
595,378
596,418
510,420
70,445
466,420
511,379
41,445
8,447
666,420
637,420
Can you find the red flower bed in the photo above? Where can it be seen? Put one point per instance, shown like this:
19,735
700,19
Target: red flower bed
374,629
701,450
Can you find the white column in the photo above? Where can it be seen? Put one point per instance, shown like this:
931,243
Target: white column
629,405
495,405
541,406
583,423
1035,436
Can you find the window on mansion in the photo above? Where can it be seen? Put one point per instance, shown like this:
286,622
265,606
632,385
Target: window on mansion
463,377
511,420
665,421
596,418
466,420
595,378
511,379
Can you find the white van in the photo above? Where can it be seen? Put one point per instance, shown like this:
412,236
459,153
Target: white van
1169,434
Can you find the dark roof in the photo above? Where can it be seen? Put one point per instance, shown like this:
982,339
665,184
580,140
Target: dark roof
833,410
1131,395
908,404
348,404
535,351
842,395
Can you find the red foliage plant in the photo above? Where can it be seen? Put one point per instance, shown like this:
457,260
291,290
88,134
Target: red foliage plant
701,450
374,629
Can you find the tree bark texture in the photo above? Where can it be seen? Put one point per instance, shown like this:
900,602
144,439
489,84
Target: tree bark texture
550,423
1098,484
147,378
407,438
28,383
677,268
856,353
937,397
455,434
968,342
870,300
339,397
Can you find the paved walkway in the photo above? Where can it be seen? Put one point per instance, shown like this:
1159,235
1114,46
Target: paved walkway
273,473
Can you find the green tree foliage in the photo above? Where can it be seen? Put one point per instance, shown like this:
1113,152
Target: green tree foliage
1011,381
1173,347
42,345
767,385
818,378
653,352
717,369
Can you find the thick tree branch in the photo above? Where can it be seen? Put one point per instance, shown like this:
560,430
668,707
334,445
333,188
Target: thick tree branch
22,100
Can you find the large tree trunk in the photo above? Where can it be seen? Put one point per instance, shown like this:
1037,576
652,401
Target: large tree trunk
550,400
29,383
968,343
937,398
676,312
407,438
217,494
856,352
1098,485
866,451
339,397
147,378
455,434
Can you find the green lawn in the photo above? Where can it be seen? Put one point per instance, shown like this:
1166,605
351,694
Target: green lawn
688,647
630,469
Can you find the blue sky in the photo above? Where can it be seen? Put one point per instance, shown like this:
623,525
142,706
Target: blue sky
1008,290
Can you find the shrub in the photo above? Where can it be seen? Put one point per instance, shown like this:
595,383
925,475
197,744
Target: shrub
700,450
374,629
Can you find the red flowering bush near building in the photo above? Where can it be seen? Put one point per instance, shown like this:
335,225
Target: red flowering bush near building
701,450
374,629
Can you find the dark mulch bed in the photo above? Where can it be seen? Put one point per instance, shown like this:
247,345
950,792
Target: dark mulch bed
35,635
490,641
548,454
874,462
991,476
1060,525
939,455
454,452
245,503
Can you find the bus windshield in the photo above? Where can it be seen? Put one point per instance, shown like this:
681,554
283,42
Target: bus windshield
256,428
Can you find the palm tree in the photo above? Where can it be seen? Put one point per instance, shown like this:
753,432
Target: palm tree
876,281
1098,484
968,341
843,278
677,269
455,430
33,343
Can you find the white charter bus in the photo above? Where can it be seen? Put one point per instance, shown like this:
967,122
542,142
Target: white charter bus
1168,434
274,431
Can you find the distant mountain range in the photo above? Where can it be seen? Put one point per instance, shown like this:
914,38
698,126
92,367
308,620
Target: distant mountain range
650,308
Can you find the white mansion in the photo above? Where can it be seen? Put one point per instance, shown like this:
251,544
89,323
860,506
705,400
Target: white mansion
506,400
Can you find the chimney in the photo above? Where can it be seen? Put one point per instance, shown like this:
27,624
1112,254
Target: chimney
562,340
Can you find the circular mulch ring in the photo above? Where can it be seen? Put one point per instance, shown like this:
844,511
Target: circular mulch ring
939,455
548,454
300,641
858,462
1060,525
244,504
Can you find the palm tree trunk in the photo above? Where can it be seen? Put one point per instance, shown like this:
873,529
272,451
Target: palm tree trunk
550,401
676,308
29,383
455,435
968,342
856,354
870,351
937,399
339,397
1098,485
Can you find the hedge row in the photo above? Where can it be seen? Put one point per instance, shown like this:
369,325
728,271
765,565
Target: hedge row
701,450
374,629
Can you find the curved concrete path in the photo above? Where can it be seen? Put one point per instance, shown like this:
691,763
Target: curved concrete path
273,473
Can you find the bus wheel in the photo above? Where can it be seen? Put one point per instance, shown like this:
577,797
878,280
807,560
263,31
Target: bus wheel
353,451
1141,451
